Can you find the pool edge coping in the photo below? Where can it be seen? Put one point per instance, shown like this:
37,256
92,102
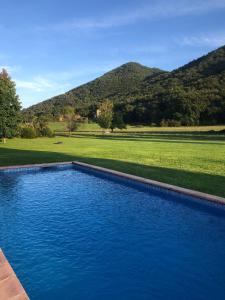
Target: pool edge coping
35,165
10,285
170,187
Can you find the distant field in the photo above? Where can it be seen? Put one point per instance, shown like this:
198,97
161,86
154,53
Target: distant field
61,127
188,160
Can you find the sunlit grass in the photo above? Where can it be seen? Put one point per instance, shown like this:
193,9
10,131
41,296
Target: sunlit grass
190,161
61,127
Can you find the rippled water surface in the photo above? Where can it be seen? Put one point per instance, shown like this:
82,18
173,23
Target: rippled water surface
72,235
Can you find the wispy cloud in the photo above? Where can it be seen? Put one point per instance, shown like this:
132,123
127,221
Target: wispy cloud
39,84
49,84
209,40
11,69
146,12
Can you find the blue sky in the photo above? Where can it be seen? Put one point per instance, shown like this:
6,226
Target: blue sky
51,46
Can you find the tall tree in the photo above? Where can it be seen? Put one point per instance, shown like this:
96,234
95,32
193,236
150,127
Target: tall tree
105,114
9,107
72,119
117,121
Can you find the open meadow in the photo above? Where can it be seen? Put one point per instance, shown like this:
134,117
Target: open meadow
94,127
192,159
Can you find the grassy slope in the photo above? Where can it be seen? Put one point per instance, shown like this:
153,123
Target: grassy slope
192,161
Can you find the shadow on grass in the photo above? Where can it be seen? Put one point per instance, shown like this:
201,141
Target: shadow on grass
208,183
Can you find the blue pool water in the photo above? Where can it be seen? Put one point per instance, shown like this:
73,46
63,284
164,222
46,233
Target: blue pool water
75,234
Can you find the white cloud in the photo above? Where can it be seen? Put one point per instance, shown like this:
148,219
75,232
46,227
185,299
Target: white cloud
47,85
210,40
10,69
39,84
155,10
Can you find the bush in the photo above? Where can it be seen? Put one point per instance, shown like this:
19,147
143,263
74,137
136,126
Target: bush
28,133
174,123
163,123
46,131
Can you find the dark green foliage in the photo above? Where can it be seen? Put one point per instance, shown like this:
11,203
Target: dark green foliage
46,131
117,121
41,122
9,107
191,95
28,132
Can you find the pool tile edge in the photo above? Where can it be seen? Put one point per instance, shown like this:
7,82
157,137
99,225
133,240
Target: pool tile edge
10,286
159,184
35,165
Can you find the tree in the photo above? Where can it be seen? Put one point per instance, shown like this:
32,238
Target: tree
117,121
9,107
71,118
105,114
68,112
73,125
40,122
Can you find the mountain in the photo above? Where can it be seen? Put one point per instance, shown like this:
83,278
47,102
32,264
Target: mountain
112,85
192,94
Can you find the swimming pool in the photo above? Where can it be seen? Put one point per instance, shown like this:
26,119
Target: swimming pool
73,233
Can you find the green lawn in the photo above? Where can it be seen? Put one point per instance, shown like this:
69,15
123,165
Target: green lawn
192,161
61,127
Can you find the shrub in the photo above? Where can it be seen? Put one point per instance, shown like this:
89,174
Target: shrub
170,123
28,133
163,123
46,131
174,123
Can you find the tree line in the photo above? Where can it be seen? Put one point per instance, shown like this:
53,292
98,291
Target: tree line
12,122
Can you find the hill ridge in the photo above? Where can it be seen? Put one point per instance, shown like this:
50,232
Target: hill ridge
189,95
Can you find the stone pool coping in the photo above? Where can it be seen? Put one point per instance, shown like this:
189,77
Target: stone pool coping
10,286
174,188
159,184
35,165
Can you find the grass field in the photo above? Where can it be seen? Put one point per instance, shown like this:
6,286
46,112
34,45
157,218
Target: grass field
187,160
61,127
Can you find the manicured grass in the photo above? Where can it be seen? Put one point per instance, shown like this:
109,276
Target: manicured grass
192,161
57,126
175,129
61,127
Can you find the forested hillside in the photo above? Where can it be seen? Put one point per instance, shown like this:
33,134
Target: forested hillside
113,85
190,95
